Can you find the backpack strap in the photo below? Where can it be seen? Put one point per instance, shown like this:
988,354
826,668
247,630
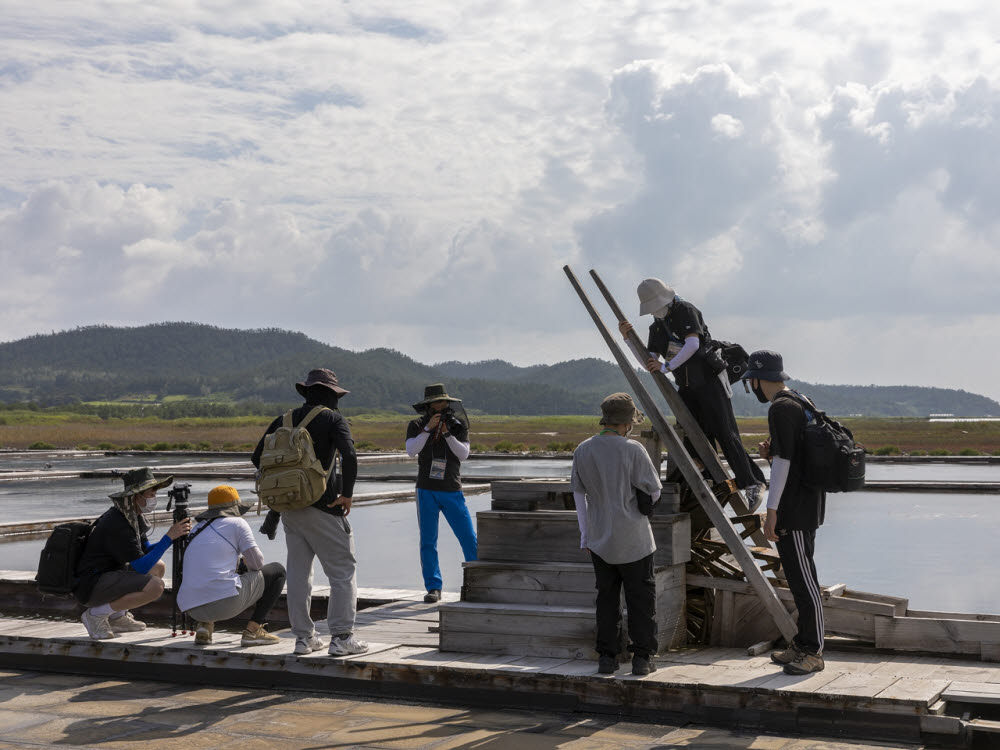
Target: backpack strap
286,419
309,417
195,534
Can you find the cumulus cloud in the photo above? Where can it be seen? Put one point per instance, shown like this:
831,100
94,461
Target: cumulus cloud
386,169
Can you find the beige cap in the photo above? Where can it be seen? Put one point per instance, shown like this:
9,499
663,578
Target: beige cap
654,294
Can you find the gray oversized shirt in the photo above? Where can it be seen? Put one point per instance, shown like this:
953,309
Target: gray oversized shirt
608,468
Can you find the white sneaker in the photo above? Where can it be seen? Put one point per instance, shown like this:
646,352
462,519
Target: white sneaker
126,623
345,645
97,626
308,645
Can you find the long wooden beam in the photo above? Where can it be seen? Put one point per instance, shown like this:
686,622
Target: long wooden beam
705,450
694,479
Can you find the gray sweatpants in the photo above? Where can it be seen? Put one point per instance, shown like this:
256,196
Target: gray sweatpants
311,533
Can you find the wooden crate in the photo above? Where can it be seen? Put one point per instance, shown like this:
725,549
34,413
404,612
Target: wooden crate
554,536
555,494
495,626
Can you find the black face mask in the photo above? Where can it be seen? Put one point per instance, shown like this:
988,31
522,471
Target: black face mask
759,393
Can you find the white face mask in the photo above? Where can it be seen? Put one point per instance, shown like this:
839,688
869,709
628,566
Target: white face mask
150,504
662,312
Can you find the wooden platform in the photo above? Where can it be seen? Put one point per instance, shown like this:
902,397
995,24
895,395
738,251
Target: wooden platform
865,695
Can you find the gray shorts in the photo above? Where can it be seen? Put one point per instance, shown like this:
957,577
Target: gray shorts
116,584
251,589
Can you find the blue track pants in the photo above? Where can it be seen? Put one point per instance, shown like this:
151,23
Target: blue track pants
429,504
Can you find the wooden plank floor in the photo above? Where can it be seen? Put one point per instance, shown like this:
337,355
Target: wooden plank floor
900,692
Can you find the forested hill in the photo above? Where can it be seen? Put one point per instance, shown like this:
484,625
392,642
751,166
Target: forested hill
103,363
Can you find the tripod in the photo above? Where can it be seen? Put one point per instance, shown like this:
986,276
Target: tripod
178,495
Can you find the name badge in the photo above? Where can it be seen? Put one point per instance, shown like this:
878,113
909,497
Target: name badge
438,466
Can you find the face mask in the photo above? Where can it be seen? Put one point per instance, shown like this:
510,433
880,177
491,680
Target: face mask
628,432
759,393
662,312
150,505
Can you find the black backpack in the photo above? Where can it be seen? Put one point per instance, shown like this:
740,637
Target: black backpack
832,460
57,563
735,358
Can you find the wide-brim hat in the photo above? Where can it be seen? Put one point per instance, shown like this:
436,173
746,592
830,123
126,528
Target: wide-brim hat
654,295
140,480
432,393
619,408
321,376
766,365
224,501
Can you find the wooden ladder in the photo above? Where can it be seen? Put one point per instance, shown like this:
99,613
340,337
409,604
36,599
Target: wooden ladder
703,491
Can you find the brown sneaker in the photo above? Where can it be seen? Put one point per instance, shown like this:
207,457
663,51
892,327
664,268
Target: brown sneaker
787,656
805,664
259,638
203,633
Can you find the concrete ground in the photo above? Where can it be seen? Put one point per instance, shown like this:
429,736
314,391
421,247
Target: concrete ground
57,710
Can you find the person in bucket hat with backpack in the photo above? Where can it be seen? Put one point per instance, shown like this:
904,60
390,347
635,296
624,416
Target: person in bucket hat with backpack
795,508
119,569
439,438
214,587
321,529
679,334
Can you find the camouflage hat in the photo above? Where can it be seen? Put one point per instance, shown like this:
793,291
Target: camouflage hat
618,408
140,480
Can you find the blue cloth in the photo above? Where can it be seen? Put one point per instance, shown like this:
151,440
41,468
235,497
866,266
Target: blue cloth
154,552
429,504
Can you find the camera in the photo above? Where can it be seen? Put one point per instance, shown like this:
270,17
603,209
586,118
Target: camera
453,423
178,495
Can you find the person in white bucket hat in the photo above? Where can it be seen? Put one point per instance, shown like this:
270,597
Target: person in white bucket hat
679,334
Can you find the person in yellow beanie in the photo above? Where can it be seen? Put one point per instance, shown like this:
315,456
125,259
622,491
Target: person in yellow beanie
213,588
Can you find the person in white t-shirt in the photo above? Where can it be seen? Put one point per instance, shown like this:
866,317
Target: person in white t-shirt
213,588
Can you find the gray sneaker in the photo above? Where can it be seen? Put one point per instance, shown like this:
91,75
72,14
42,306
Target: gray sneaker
755,496
805,664
97,625
126,623
787,656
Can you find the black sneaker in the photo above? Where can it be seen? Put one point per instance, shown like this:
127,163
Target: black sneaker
641,665
432,596
607,665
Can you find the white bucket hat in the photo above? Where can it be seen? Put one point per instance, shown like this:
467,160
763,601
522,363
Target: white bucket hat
653,295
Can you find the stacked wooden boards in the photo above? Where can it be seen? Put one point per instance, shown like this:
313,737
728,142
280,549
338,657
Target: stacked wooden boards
884,621
532,592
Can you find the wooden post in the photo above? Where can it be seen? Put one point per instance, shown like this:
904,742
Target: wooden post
690,472
704,449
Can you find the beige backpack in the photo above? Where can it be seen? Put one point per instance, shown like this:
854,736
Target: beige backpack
291,477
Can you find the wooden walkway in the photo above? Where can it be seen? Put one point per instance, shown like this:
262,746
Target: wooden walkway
860,694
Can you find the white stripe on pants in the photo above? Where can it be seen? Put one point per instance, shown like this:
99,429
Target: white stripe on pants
808,568
311,533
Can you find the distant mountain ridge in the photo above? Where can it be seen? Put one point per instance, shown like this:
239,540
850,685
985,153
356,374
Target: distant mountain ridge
105,363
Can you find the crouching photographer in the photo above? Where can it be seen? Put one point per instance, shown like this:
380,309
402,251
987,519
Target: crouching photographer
224,572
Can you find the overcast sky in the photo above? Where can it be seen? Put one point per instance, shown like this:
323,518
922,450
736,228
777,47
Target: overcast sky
821,179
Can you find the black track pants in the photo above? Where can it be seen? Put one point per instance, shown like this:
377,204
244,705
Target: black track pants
713,411
796,551
274,582
640,600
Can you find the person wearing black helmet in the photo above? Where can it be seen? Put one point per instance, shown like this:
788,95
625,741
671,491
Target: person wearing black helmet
439,438
794,508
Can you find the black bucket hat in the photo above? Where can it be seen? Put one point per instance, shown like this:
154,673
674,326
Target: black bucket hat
432,393
321,376
766,365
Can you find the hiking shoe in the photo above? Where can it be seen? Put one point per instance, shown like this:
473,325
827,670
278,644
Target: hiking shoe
787,656
125,623
203,633
805,664
755,496
346,644
260,638
432,596
641,665
308,645
97,626
607,665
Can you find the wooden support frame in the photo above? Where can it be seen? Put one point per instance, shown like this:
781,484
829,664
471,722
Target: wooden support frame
690,472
